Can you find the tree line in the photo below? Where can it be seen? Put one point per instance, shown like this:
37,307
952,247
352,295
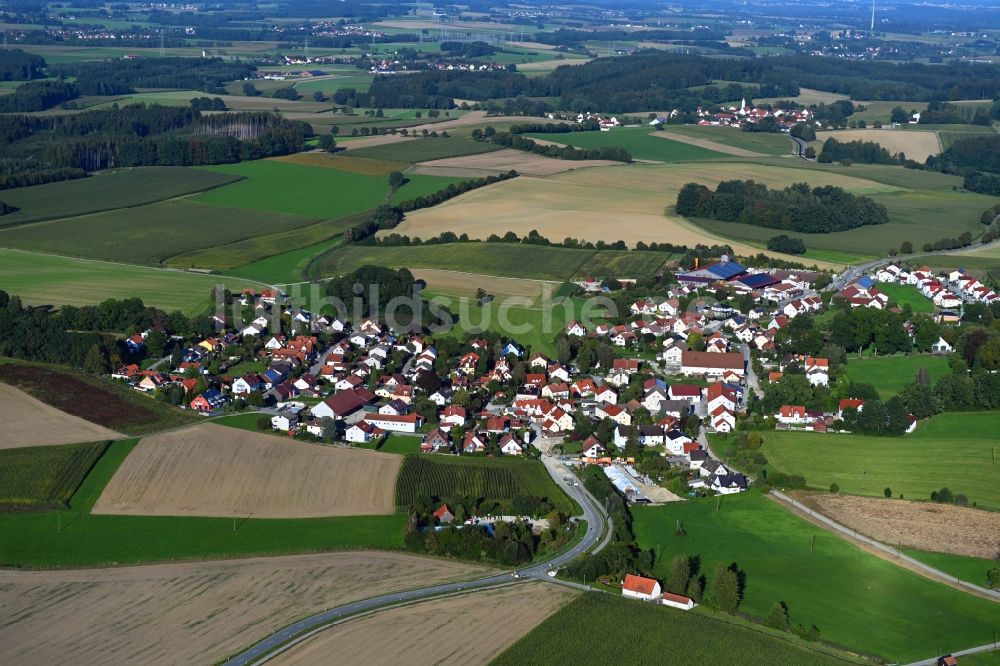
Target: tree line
862,152
799,207
16,65
518,142
207,74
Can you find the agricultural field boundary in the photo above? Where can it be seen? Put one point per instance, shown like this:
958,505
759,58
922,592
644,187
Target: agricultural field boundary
879,549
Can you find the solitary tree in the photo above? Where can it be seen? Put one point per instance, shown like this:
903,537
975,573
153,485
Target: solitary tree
888,493
727,590
680,573
778,617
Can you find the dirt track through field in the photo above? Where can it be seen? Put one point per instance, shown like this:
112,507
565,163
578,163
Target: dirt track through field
923,525
467,629
505,160
212,470
30,422
190,613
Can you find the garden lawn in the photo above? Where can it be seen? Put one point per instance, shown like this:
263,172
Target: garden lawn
565,638
855,598
107,190
85,540
316,192
954,450
889,374
907,294
148,234
45,279
636,140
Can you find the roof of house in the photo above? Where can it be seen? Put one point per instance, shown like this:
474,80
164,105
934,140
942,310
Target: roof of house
722,360
639,584
677,598
442,511
345,402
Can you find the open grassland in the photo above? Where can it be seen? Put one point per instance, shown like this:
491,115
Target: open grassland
191,612
149,234
95,400
297,189
455,283
952,450
287,267
211,470
568,637
44,477
889,374
613,203
421,150
729,140
427,629
107,190
906,294
419,185
78,538
622,263
490,479
505,160
642,142
45,279
941,527
915,144
30,422
970,569
858,600
951,135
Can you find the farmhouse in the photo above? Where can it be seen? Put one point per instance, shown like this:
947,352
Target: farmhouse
711,364
639,587
677,601
402,423
341,405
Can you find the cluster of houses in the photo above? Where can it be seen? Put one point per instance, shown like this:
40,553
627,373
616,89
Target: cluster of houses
946,291
797,417
649,590
746,114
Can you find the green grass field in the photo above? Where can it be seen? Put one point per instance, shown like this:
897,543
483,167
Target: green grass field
42,279
637,140
889,374
971,569
492,479
538,262
282,187
44,477
649,633
856,599
93,399
419,185
424,149
760,142
149,234
107,190
35,539
907,294
400,445
953,450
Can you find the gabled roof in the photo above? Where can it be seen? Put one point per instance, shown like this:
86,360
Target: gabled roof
639,584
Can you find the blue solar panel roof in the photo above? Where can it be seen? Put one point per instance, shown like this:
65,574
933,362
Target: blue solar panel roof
726,270
757,280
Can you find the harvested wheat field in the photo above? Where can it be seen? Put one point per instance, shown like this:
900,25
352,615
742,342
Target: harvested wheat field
917,144
30,422
428,632
212,470
926,526
524,163
605,203
466,284
370,141
191,612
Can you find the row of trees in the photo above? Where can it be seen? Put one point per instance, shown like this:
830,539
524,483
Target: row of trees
453,190
863,152
783,243
799,207
125,74
518,142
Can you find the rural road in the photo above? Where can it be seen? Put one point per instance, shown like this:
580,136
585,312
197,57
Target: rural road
834,526
593,514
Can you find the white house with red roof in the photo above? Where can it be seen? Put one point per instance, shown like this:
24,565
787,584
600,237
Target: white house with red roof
640,587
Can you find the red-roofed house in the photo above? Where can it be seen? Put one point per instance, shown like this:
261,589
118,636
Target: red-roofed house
677,601
640,587
792,414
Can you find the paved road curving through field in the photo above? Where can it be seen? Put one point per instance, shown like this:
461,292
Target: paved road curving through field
597,525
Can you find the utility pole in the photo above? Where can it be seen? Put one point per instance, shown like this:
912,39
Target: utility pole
307,46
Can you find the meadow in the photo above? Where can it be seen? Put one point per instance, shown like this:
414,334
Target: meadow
622,263
856,599
43,279
971,569
906,294
889,374
149,234
637,140
953,450
92,399
566,637
44,477
490,479
758,142
77,538
107,190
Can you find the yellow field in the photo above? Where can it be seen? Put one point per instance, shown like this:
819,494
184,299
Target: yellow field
606,203
427,632
917,144
190,613
212,470
30,422
806,97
